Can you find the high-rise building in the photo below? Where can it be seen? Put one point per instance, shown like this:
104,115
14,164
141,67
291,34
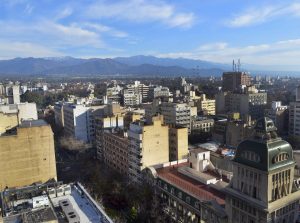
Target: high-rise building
106,123
149,145
178,143
79,121
262,188
294,117
59,114
27,155
13,94
115,150
131,99
250,102
280,116
206,106
138,89
176,114
233,81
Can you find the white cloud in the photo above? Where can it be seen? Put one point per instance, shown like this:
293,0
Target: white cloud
52,33
73,35
263,14
64,13
141,11
285,52
106,29
11,49
28,9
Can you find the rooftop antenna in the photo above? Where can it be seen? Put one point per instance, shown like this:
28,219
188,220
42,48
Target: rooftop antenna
239,65
233,65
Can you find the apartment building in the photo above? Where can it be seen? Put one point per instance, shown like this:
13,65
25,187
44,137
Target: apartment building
138,89
178,143
79,121
201,124
149,145
106,123
176,114
280,116
250,102
27,155
131,99
116,150
206,106
233,81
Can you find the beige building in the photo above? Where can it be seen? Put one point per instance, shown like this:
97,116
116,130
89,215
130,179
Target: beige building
149,145
206,106
237,131
8,121
115,151
24,111
201,124
249,102
27,155
178,143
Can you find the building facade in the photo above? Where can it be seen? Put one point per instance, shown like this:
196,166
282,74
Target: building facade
206,106
149,145
178,143
262,188
116,151
233,81
27,155
176,114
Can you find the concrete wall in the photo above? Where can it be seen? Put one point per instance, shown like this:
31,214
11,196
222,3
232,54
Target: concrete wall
178,143
27,157
7,121
155,144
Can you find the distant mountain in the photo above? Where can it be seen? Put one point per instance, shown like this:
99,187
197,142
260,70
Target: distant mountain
181,62
137,65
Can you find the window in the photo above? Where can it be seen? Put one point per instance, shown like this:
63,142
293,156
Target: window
250,155
188,200
180,195
280,157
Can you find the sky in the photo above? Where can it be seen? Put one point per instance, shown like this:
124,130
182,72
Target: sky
260,32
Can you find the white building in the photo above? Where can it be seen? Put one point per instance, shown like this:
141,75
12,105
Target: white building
176,114
132,99
25,111
12,94
161,91
79,121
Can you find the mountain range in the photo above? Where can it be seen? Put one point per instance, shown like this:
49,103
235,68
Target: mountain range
135,65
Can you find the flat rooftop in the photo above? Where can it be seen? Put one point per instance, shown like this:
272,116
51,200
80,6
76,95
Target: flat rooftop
86,209
33,123
190,185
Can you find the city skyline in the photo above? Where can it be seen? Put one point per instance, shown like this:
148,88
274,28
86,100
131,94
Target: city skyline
211,31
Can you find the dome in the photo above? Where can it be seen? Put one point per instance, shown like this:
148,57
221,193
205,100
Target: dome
265,151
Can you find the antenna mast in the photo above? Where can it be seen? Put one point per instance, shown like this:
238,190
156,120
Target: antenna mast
239,65
233,65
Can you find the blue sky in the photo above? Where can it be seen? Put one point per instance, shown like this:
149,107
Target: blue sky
257,31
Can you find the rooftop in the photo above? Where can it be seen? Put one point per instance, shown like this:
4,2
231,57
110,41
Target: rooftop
33,123
190,185
31,204
41,215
